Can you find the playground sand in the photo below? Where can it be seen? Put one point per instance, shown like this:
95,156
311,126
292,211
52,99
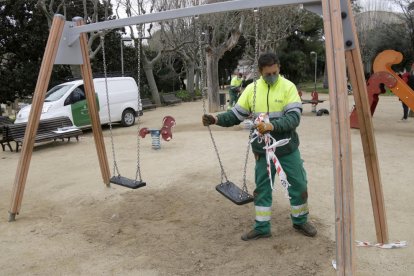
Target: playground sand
71,224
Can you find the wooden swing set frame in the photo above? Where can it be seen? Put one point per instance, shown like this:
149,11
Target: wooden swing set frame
67,44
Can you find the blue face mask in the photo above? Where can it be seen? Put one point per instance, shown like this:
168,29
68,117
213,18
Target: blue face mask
270,80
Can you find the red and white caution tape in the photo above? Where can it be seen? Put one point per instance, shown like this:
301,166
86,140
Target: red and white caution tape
392,245
270,146
334,264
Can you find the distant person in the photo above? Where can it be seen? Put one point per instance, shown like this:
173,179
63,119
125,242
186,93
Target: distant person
222,83
235,87
410,83
182,84
409,79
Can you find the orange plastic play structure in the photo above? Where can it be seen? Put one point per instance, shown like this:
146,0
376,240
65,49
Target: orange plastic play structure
384,74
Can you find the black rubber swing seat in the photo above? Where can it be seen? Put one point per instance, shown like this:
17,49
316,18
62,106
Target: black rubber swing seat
234,193
126,182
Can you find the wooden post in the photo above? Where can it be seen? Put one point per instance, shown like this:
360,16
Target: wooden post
341,138
35,112
356,75
86,71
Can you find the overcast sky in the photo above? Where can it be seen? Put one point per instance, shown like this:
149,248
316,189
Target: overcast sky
384,5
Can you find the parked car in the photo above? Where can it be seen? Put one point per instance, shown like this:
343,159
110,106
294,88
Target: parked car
68,99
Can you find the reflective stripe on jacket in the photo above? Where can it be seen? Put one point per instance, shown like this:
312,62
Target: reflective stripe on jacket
281,100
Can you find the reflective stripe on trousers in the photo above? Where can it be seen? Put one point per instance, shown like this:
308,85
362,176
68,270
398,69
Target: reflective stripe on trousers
263,213
299,210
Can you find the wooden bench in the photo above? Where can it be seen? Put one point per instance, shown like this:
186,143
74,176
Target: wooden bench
147,104
3,122
170,98
48,130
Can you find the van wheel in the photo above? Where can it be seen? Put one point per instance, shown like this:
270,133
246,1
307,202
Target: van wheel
128,118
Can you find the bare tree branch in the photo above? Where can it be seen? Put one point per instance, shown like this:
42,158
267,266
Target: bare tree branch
45,11
85,12
93,53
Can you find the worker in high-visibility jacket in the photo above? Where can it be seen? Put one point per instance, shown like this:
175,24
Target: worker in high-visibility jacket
234,90
279,98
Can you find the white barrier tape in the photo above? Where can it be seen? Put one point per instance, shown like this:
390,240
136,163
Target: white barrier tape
393,245
270,146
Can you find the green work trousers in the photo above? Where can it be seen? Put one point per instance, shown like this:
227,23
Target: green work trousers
292,164
234,95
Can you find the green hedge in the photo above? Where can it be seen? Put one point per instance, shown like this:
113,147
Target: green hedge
185,96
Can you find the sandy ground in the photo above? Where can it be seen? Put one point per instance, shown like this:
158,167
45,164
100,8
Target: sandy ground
71,224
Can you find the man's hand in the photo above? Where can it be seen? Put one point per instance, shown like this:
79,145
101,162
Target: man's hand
209,120
264,127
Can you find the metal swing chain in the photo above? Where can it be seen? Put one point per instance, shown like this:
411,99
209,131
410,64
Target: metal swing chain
204,96
255,66
115,168
138,170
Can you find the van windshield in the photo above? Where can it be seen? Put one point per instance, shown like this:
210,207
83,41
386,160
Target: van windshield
57,92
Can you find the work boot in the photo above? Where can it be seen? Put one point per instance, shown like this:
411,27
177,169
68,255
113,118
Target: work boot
306,229
254,235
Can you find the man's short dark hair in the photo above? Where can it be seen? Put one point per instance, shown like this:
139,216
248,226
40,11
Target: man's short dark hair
268,59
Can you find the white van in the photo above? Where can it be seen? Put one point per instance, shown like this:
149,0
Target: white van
68,99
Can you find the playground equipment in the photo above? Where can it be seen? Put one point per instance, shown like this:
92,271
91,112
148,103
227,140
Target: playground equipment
383,73
165,132
314,102
228,189
67,44
117,178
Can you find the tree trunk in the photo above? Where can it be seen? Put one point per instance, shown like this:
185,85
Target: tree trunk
190,79
149,73
197,79
212,82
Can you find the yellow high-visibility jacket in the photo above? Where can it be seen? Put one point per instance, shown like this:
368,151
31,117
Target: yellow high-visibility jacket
280,100
236,81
